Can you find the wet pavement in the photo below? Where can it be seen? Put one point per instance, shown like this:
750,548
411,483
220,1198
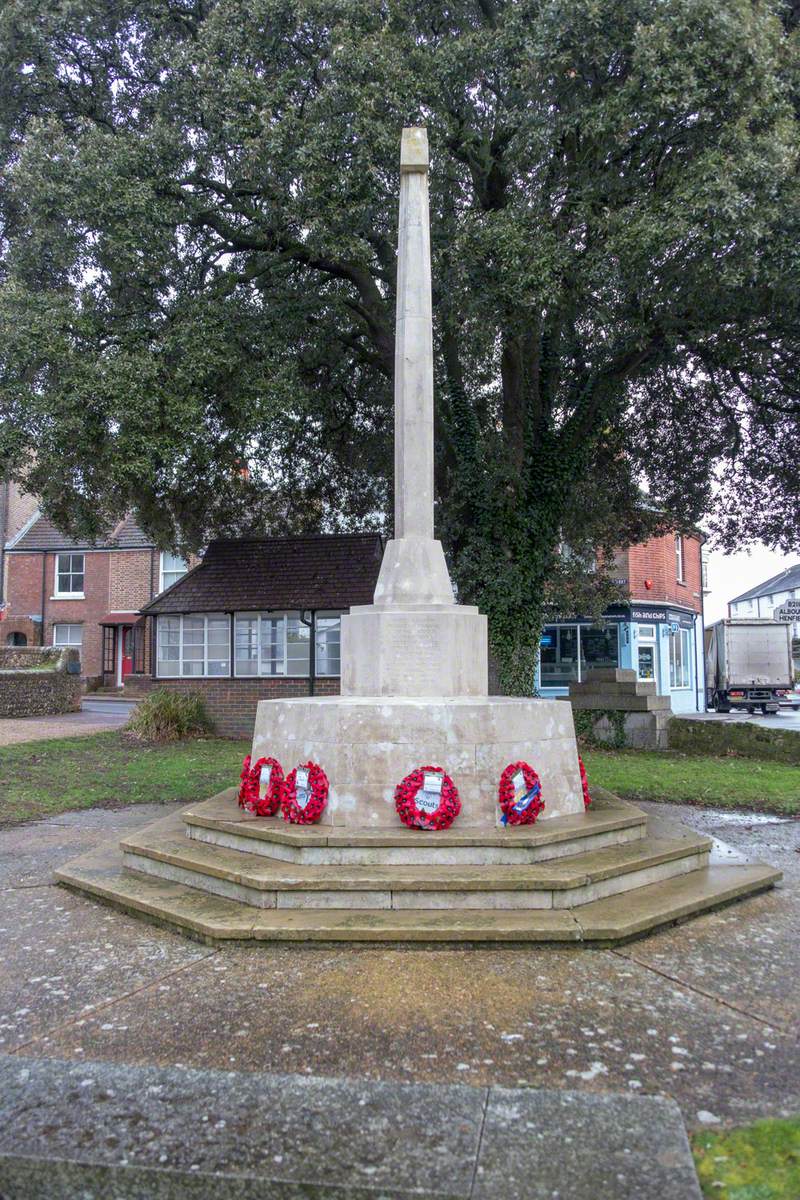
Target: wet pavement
94,717
707,1012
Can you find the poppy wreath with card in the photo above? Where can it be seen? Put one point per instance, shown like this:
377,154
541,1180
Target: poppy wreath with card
527,809
405,799
307,813
249,797
587,799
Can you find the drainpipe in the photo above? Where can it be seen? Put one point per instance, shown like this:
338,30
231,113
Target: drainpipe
701,674
4,535
312,653
44,595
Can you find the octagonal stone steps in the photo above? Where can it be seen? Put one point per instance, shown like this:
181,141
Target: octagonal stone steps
214,919
609,822
163,851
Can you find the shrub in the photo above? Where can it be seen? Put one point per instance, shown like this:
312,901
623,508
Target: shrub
166,716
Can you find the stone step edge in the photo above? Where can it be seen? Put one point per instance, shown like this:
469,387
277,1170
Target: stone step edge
490,878
211,919
610,815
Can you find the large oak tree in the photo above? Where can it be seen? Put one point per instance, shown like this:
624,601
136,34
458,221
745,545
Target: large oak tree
198,210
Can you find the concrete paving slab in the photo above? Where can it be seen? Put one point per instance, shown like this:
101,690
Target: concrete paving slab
60,961
547,1018
753,963
30,853
148,1128
104,1130
542,1145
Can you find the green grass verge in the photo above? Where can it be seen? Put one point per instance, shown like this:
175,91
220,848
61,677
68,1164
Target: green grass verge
757,1162
111,770
682,779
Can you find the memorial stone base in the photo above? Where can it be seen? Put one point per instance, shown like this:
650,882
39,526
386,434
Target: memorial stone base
367,745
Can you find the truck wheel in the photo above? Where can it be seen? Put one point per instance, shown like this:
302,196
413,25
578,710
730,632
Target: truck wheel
722,708
750,709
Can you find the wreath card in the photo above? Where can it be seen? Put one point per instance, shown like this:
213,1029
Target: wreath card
429,797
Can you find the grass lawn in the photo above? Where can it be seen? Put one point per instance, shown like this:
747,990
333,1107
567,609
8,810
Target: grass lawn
111,770
683,779
758,1162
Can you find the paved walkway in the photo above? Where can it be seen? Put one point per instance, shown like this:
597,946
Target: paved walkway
99,1129
94,717
706,1013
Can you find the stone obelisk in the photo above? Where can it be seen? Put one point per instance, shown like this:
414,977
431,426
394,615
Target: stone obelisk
414,639
414,686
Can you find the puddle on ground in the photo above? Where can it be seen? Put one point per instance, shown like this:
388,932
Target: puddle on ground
749,819
723,854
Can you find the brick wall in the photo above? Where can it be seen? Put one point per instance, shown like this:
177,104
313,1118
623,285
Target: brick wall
21,507
130,580
655,561
231,703
24,596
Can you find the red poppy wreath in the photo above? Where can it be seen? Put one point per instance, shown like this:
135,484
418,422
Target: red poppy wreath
244,786
520,794
305,794
587,799
427,799
262,786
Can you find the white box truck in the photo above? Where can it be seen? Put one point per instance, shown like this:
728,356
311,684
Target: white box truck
748,664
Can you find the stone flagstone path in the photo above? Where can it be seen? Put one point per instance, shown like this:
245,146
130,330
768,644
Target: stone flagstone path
705,1013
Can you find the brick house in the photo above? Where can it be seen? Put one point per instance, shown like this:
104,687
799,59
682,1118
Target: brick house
657,630
65,592
259,618
16,509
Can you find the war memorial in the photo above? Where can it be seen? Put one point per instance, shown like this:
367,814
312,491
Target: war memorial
414,807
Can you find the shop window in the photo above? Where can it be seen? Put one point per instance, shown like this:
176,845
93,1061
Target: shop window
559,656
680,648
599,647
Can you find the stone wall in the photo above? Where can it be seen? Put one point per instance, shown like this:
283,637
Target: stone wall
745,739
232,703
39,683
614,708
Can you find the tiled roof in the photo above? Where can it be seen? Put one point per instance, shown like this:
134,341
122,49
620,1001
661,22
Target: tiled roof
43,535
784,581
271,573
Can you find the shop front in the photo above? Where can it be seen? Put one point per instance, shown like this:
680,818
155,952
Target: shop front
661,643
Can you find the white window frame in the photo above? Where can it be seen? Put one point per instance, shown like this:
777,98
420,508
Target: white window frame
283,669
180,673
69,644
680,666
171,571
679,564
326,616
57,592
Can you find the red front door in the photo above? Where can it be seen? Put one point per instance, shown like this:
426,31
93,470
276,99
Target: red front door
127,651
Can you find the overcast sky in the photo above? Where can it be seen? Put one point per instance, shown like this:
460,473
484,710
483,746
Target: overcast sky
731,574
